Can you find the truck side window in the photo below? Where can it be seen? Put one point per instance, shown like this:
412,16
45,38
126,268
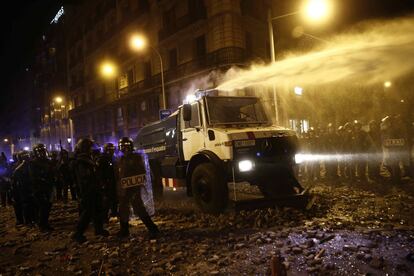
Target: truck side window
195,117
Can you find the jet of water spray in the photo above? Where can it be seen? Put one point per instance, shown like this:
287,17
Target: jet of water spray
379,51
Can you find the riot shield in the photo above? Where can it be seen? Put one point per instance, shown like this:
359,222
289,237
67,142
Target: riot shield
146,190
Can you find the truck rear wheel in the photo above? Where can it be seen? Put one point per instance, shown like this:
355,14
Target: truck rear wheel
209,188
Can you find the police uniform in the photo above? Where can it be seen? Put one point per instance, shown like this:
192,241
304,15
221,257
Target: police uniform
106,174
90,192
42,177
131,164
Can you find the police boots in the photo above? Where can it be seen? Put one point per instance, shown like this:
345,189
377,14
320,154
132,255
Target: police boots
151,226
124,231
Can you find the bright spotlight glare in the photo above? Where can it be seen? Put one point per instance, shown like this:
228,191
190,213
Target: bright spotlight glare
298,90
299,158
58,99
190,99
317,10
245,165
26,148
387,84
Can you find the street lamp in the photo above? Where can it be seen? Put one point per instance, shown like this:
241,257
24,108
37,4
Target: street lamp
317,10
58,100
108,69
314,10
6,140
387,84
138,43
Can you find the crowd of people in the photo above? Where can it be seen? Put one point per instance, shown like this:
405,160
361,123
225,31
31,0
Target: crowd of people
379,151
36,179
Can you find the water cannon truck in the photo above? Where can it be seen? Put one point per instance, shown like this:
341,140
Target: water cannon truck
214,141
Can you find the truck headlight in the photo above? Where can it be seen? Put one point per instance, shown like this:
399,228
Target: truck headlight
299,158
245,165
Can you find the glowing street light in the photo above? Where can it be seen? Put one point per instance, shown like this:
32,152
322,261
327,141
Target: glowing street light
58,100
6,140
313,10
138,42
108,69
317,10
387,84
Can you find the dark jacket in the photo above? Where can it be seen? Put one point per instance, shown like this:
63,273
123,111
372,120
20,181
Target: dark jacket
106,173
42,175
86,177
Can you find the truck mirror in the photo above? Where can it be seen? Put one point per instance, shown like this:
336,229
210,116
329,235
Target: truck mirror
187,112
211,135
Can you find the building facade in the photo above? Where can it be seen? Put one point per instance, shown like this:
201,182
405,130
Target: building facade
195,38
50,84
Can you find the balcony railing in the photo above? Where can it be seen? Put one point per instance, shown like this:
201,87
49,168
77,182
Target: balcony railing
222,57
180,23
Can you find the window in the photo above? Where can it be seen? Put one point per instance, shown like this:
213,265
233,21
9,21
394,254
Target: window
130,77
119,117
249,44
147,70
143,5
173,58
195,117
169,19
200,46
132,113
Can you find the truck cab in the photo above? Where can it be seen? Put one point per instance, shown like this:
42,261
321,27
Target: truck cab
213,140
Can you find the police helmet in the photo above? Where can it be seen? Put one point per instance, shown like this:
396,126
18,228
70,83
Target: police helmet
372,124
386,123
84,145
64,154
109,148
347,126
357,125
40,151
23,155
126,144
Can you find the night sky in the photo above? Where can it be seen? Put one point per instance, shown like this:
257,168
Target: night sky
23,21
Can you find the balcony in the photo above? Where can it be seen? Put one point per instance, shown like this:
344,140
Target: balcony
180,24
107,98
77,84
222,57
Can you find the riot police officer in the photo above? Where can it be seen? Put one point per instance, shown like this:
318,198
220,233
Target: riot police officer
65,176
42,177
106,173
90,191
5,195
330,140
131,164
25,207
361,145
394,145
375,151
348,150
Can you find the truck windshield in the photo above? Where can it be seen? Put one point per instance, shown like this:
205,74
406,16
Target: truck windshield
235,110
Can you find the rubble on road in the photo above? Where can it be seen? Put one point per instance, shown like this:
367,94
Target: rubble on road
351,229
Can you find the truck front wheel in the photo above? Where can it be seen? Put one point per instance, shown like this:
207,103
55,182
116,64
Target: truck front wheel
209,188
